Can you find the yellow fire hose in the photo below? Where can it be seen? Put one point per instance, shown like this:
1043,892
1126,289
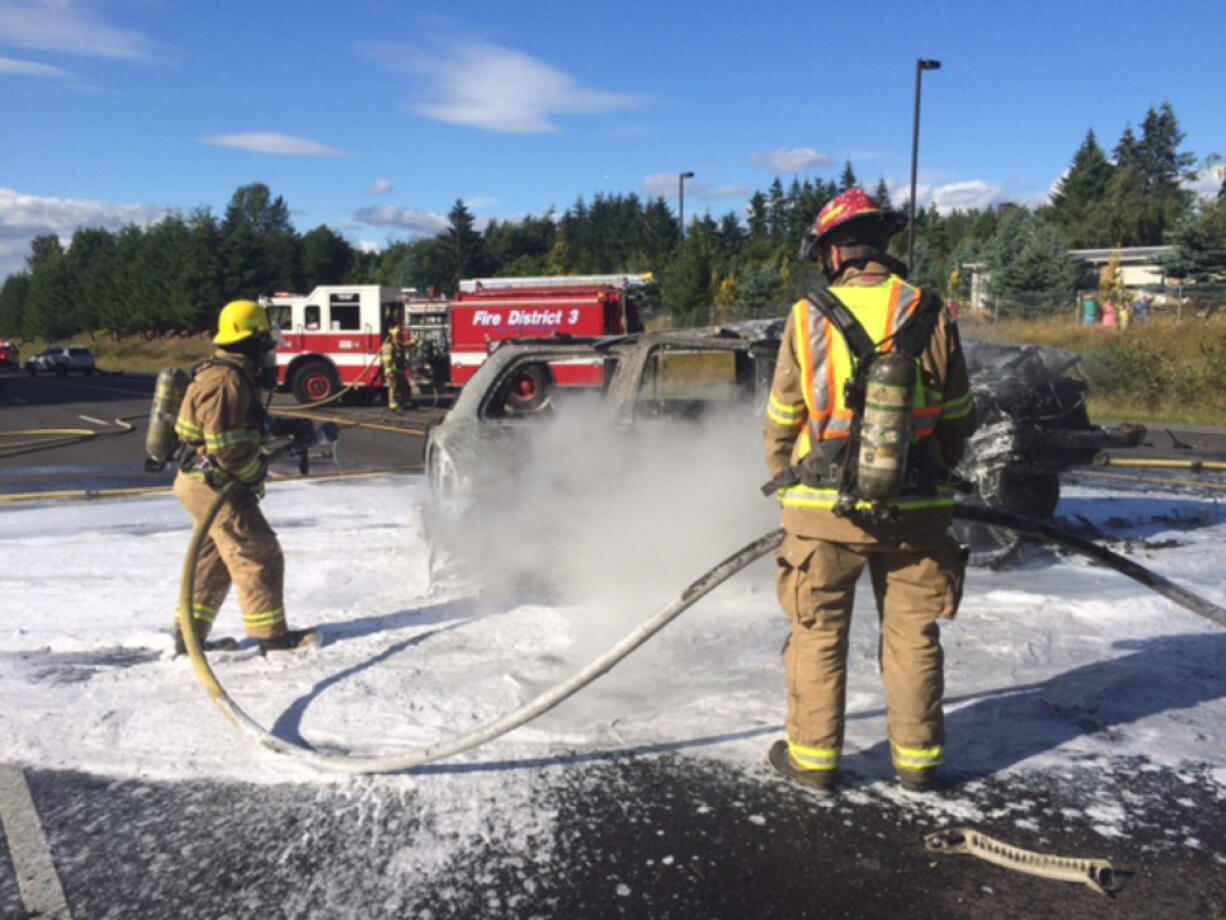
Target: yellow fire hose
74,494
47,438
1193,466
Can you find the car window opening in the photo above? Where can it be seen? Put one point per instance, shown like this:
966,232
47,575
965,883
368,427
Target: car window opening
687,383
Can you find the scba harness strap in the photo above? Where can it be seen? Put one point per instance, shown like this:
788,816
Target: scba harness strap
188,456
836,462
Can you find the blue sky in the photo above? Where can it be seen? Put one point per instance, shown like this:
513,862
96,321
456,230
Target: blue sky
374,116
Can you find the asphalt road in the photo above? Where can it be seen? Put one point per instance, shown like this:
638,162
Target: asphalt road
371,436
634,834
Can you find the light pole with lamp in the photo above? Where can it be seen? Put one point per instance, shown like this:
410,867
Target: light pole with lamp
681,177
920,66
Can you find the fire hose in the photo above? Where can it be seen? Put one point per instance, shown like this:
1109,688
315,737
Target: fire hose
400,762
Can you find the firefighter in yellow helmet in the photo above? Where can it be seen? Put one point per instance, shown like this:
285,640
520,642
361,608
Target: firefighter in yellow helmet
394,366
223,427
859,448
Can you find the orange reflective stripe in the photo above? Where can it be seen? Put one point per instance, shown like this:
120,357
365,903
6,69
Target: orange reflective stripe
804,346
891,317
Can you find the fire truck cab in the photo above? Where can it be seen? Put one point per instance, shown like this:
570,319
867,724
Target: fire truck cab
487,311
333,336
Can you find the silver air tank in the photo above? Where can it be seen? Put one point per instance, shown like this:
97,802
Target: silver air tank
886,426
161,441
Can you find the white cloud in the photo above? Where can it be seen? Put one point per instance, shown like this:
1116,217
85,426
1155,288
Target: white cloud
23,217
276,144
784,161
30,69
479,201
1207,182
486,86
665,185
368,246
425,223
380,187
69,27
959,196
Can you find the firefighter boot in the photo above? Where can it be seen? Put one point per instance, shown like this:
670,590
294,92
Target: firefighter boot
820,781
917,780
290,641
228,644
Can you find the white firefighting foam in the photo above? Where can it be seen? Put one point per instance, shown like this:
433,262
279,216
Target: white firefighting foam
1052,667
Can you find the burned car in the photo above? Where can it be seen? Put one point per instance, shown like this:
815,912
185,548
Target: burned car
1033,424
645,378
1030,403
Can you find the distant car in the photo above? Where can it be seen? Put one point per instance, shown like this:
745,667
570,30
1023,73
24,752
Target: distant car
61,360
8,357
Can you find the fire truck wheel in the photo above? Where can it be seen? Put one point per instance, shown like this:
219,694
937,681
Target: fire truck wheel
314,381
529,387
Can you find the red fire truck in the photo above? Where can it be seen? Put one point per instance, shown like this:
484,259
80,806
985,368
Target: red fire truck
488,310
333,336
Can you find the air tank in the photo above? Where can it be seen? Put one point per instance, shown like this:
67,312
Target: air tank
886,426
160,440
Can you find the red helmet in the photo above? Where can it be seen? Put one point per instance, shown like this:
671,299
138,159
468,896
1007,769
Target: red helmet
851,205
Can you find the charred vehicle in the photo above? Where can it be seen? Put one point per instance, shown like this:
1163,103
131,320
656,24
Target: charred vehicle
1033,424
1029,400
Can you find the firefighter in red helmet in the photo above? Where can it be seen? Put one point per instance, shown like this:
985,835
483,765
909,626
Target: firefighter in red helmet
869,409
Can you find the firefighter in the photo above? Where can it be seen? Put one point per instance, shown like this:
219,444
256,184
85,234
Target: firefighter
222,427
832,533
394,365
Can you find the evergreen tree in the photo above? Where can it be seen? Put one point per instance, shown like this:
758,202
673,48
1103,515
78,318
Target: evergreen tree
259,247
776,212
848,178
48,310
1200,246
1083,185
326,257
90,260
757,216
882,193
464,246
13,296
1161,161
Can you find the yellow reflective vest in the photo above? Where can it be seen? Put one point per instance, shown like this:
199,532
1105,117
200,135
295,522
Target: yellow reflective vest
808,403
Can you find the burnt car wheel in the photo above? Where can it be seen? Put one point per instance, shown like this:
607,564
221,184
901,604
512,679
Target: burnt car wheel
528,388
314,381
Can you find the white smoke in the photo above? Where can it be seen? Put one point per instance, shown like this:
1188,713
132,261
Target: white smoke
615,519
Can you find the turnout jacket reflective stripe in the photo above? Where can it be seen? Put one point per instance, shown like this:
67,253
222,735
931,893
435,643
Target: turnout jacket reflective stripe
221,417
807,403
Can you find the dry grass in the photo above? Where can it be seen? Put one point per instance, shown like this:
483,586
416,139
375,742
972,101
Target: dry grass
133,353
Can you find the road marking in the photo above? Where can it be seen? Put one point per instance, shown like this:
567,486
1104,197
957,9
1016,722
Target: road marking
40,887
18,399
90,418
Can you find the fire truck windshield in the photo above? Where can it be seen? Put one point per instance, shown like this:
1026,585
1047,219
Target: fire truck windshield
279,315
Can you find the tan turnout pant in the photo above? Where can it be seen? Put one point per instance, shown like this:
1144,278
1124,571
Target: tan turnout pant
916,583
240,547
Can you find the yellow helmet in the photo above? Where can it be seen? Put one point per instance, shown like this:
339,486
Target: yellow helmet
395,332
239,320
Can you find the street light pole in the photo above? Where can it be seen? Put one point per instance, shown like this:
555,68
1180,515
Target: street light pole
920,66
681,177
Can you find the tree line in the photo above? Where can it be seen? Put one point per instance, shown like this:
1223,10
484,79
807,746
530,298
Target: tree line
172,276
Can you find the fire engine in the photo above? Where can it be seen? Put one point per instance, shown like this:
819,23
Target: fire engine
489,310
333,336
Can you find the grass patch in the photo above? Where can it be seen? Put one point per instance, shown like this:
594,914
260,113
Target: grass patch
134,353
1167,370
